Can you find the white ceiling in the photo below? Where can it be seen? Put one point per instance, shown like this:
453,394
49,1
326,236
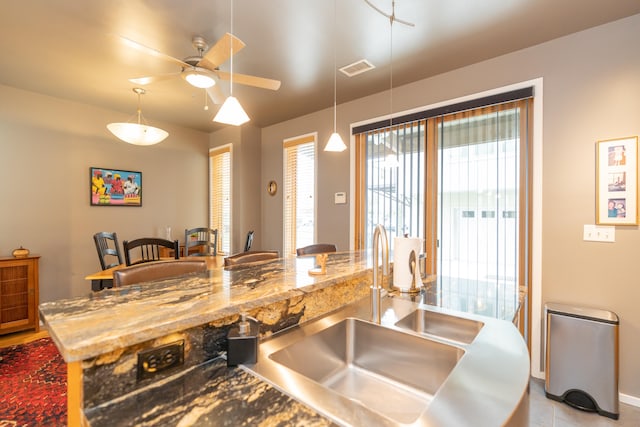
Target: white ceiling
71,48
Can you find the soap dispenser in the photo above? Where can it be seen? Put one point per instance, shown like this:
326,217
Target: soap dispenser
243,342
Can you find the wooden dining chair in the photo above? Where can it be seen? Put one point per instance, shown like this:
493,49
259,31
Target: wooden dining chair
200,241
108,249
317,248
147,249
250,256
149,271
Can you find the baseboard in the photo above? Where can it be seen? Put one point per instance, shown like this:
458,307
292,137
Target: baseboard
629,400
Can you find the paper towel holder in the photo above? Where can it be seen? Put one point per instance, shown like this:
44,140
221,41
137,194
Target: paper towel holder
407,278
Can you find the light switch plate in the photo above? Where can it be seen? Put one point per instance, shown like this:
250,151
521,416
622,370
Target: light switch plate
340,198
599,233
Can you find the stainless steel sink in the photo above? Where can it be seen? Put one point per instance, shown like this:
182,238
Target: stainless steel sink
378,368
441,325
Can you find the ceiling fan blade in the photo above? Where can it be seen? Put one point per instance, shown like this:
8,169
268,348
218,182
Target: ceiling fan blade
247,80
153,52
153,79
221,51
215,94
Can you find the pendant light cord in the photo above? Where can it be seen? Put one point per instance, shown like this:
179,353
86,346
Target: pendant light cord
391,66
139,109
335,90
231,49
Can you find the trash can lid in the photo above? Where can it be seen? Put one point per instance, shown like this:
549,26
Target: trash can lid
582,312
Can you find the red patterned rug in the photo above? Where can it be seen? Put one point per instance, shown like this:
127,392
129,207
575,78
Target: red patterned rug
33,385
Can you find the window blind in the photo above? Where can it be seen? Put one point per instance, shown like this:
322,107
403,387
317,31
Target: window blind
220,196
299,193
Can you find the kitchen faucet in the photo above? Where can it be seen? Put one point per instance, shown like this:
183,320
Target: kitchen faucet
379,238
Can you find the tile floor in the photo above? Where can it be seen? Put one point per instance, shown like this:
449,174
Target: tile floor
544,412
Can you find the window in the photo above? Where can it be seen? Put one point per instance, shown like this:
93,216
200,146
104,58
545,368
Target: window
393,168
460,180
299,192
220,196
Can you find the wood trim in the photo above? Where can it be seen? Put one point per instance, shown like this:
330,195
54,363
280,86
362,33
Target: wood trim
525,316
75,406
359,198
298,140
220,150
431,197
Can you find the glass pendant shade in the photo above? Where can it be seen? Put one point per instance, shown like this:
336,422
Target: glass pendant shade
198,78
137,134
231,113
335,143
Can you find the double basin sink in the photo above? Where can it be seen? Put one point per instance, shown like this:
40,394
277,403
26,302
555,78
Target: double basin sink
360,373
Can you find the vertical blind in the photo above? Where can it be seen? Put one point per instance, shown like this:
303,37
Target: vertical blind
220,196
394,172
299,193
480,214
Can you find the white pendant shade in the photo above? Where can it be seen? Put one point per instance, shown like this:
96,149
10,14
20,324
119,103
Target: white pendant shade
137,134
335,143
231,113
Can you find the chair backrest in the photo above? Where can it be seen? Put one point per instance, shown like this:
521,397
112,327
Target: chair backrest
318,248
250,256
156,270
108,249
247,245
147,249
200,241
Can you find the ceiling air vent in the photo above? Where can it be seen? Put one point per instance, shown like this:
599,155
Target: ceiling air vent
357,67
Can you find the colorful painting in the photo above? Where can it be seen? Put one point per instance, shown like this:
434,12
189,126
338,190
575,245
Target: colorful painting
113,187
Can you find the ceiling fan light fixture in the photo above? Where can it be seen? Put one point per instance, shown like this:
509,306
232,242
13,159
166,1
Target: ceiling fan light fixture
199,78
231,113
137,133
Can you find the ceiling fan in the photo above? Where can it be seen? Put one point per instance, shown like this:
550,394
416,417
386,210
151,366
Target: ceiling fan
202,70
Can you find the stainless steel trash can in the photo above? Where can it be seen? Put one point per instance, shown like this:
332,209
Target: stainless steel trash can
581,365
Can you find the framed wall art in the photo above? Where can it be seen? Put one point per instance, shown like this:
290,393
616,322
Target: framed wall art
113,187
617,181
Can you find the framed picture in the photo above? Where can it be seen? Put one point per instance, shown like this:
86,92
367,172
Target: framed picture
617,181
113,187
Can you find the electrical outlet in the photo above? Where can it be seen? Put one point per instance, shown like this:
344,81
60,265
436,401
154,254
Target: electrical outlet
159,359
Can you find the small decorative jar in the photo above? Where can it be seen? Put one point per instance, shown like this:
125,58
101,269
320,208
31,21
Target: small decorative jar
20,252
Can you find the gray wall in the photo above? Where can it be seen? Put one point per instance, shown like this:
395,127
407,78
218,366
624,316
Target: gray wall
46,148
591,92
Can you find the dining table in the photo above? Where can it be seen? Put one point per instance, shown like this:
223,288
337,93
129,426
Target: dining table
104,278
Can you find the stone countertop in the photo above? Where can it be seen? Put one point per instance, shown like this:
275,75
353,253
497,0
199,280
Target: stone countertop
101,322
208,395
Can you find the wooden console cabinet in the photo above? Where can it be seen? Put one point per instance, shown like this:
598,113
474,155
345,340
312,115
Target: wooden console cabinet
18,294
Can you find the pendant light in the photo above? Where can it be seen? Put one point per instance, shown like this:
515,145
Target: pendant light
335,143
138,133
231,112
